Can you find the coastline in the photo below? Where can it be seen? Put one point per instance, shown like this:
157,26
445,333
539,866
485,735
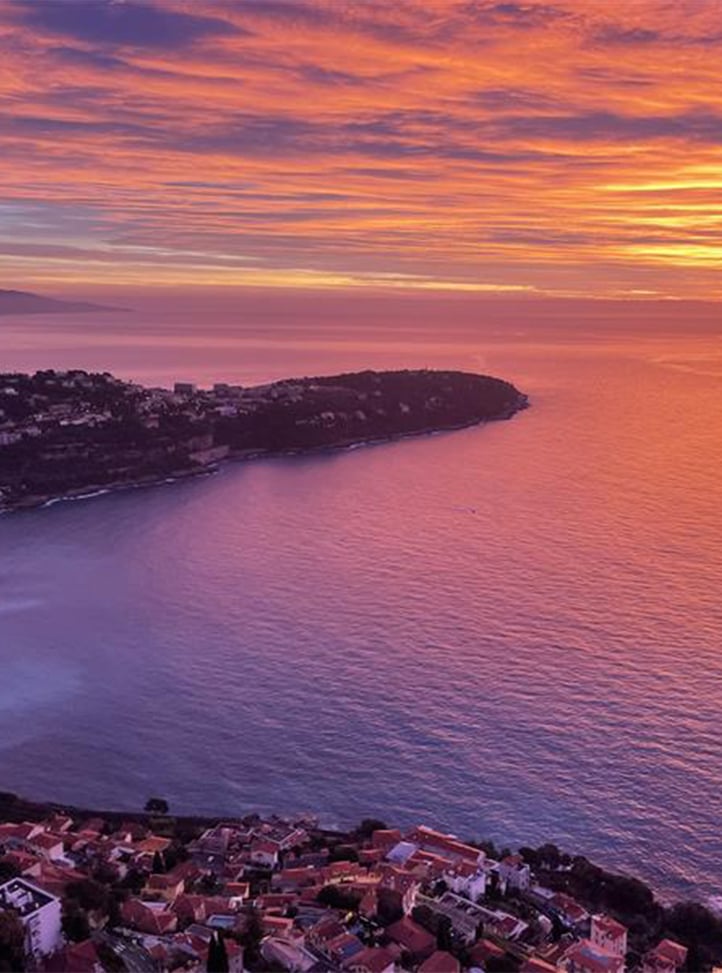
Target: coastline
94,490
533,906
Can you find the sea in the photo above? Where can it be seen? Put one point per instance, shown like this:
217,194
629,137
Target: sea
512,631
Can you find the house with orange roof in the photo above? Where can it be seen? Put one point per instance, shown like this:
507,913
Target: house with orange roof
568,910
413,938
276,902
278,926
164,886
446,845
440,962
189,908
75,958
584,957
152,844
324,930
19,832
342,948
264,852
58,823
48,845
142,916
385,839
666,957
56,878
289,879
608,934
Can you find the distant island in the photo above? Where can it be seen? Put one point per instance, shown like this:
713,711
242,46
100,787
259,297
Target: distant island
23,302
82,889
71,433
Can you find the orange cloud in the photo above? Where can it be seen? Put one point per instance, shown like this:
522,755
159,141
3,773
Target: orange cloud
540,147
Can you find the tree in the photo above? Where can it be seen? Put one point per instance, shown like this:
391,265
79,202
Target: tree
7,871
337,897
343,853
444,939
251,937
549,855
75,921
156,805
368,826
217,961
12,942
530,856
89,894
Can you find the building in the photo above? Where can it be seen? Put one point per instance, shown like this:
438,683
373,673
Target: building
514,873
609,935
39,912
584,957
265,853
184,388
666,957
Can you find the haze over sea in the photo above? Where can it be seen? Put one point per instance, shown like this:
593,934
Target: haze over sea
510,631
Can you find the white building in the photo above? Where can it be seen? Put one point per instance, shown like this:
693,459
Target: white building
514,873
466,879
39,913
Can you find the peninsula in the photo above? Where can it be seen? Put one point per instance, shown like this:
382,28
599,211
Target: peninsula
70,433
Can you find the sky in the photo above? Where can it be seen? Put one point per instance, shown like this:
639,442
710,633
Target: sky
570,148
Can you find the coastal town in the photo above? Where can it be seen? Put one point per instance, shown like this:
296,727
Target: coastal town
69,433
154,893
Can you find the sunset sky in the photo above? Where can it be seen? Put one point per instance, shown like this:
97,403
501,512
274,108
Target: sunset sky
562,148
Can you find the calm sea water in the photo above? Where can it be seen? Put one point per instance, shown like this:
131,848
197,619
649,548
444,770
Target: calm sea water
510,631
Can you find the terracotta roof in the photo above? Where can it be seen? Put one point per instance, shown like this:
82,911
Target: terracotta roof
444,843
535,964
267,847
411,936
385,838
568,906
440,962
167,881
76,958
609,926
669,951
585,957
484,950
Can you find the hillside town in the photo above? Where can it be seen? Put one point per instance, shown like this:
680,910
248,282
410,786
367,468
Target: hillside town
153,894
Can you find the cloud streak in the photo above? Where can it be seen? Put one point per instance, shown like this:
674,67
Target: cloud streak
543,146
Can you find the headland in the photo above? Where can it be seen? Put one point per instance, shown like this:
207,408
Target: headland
71,433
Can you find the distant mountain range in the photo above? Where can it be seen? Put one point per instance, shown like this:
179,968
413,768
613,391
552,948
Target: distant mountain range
22,302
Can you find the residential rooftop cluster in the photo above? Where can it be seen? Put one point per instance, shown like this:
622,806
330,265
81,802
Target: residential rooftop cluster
281,894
